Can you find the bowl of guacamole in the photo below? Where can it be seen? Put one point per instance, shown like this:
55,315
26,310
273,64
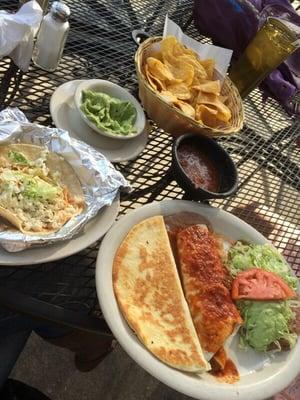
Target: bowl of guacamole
109,109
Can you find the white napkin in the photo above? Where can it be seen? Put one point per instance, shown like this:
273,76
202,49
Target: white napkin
221,56
17,31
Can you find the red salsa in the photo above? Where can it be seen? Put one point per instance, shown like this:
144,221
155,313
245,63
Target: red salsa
199,168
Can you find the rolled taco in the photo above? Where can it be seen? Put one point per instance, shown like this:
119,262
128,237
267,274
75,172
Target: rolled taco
39,190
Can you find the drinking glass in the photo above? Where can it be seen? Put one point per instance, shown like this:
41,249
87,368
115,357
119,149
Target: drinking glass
272,44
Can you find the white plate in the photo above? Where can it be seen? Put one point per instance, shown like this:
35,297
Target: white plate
92,232
65,116
260,378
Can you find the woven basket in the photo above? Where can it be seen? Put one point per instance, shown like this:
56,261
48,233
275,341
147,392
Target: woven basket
173,120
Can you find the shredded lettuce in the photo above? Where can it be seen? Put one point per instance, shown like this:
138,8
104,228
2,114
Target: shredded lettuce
244,256
40,190
23,185
18,157
265,323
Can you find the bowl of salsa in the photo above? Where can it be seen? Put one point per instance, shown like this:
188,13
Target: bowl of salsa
203,168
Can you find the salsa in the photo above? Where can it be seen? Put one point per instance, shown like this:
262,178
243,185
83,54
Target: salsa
199,168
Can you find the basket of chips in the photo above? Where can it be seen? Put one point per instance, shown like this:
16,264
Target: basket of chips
183,93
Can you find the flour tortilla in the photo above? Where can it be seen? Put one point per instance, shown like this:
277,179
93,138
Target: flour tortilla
149,293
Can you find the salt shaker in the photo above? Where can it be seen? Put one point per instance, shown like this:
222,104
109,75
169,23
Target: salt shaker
51,37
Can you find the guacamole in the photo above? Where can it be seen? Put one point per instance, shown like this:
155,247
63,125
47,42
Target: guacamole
109,113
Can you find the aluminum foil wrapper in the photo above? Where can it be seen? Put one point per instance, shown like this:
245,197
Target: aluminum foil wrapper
100,181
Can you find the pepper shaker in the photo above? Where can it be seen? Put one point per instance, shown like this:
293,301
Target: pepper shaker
51,37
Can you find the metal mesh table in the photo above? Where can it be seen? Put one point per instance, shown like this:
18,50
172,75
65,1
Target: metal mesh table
100,46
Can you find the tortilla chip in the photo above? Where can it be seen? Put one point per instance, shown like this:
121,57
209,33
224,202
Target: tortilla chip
207,114
156,84
180,90
186,81
209,66
184,72
168,97
157,55
209,87
185,108
159,70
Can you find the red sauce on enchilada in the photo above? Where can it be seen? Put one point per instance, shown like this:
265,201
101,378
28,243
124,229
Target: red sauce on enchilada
206,283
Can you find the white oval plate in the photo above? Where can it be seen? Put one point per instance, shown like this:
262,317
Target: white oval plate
260,376
93,231
65,116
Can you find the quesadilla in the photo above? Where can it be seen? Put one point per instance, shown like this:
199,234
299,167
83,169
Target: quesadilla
39,190
149,294
206,284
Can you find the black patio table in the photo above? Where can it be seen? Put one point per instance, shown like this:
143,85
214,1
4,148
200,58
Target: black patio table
100,45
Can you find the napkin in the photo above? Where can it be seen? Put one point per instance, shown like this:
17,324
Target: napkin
17,31
221,56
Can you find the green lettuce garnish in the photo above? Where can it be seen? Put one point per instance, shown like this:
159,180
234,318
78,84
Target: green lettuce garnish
244,256
109,113
40,190
18,157
266,322
33,188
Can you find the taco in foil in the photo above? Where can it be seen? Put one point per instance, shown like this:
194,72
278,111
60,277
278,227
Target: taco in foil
39,190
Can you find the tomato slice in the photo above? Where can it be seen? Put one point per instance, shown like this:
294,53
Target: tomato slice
257,284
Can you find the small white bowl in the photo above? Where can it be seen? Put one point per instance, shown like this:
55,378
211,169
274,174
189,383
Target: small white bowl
113,90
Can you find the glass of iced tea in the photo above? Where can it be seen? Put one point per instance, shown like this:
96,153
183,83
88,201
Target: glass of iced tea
272,44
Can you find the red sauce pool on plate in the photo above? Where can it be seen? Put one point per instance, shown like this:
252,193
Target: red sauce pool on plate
229,374
200,169
223,368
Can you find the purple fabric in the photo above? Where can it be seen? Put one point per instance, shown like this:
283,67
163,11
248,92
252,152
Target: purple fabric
277,8
229,23
233,23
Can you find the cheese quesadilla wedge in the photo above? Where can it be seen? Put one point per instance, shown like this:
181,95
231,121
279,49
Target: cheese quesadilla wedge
150,296
206,284
39,190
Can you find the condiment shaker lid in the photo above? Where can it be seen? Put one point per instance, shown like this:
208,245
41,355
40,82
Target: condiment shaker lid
60,10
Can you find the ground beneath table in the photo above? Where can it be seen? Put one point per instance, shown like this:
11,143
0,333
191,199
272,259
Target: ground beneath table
52,371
